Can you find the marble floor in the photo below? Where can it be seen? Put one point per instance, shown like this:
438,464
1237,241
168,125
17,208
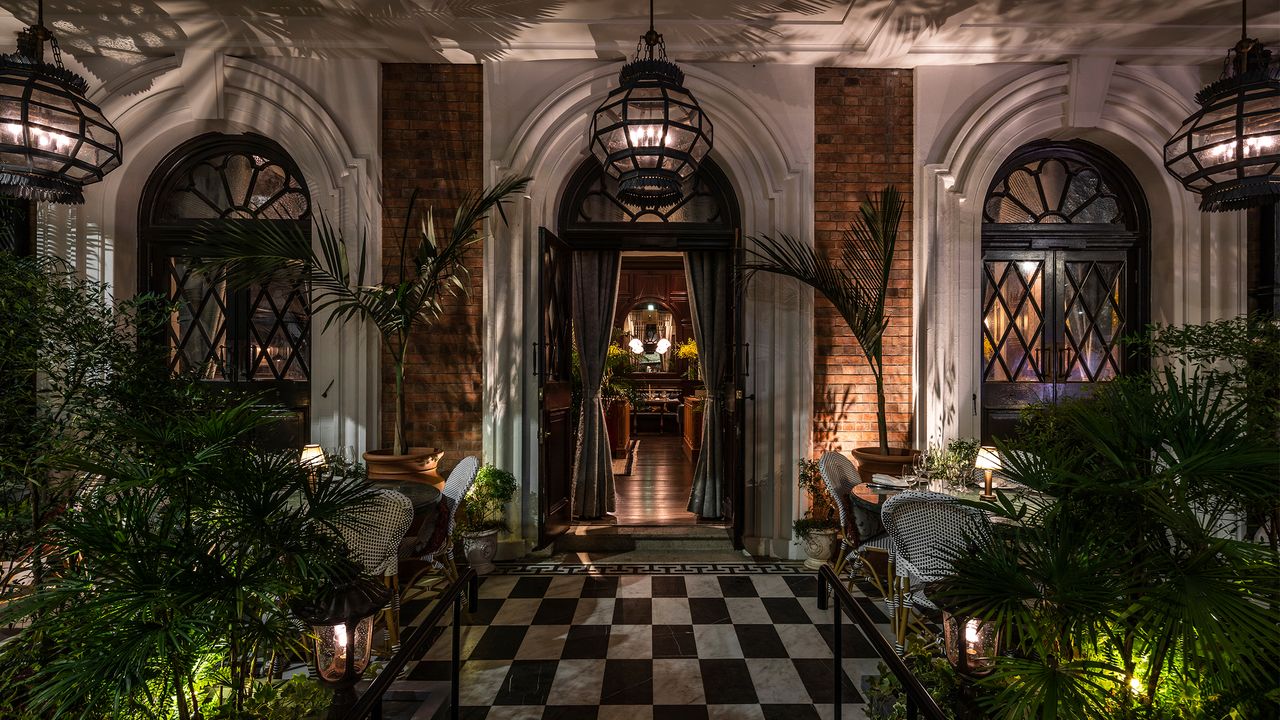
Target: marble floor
740,641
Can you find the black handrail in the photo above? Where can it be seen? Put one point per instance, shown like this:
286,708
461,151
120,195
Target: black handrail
917,696
370,703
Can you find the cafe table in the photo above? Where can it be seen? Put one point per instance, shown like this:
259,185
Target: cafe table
868,498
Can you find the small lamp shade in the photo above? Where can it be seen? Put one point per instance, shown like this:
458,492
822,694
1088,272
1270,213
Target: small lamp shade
988,459
636,346
312,458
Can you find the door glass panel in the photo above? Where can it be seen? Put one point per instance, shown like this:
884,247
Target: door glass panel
1093,319
197,329
1013,320
278,333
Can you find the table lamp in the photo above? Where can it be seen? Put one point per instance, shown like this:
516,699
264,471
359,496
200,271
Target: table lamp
313,460
988,461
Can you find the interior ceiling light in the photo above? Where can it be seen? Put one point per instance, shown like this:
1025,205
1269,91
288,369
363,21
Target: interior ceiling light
649,133
1229,150
53,141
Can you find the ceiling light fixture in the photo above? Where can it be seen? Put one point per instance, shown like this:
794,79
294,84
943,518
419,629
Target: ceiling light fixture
53,141
1229,150
650,133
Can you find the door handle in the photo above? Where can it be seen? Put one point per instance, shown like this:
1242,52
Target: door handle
537,356
544,435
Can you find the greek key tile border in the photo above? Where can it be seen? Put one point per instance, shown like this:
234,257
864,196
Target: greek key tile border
743,568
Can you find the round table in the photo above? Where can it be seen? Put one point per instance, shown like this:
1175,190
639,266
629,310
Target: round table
426,500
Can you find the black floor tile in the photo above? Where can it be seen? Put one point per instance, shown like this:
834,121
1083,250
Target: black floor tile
786,611
875,608
737,586
674,641
669,586
473,712
805,586
627,682
586,642
680,712
571,712
499,642
632,611
598,587
530,587
760,641
709,611
486,610
431,670
727,682
817,679
528,683
790,712
556,611
853,643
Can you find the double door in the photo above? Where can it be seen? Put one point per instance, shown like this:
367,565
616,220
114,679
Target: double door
1052,325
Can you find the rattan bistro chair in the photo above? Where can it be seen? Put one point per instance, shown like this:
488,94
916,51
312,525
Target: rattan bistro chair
927,529
435,556
858,537
374,541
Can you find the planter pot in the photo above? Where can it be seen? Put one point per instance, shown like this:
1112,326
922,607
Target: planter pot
480,547
871,461
417,465
818,546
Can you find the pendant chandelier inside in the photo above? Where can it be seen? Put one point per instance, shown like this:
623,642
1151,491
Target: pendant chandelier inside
650,133
53,141
1229,150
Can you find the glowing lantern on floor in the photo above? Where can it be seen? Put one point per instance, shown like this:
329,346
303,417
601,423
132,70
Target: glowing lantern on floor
972,644
341,621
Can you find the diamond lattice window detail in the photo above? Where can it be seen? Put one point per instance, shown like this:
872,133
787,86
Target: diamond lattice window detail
1013,320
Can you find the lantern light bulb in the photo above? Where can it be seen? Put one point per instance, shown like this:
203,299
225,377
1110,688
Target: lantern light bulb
971,634
1135,685
340,636
636,346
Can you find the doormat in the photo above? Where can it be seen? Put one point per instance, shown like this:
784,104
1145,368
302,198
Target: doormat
622,465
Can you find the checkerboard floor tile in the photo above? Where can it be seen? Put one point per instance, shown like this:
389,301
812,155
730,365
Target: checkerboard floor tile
731,646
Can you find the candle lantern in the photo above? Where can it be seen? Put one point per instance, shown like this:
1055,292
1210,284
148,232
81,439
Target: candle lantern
341,621
971,643
988,461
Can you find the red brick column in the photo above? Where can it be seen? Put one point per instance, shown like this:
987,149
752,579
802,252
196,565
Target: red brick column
433,141
863,140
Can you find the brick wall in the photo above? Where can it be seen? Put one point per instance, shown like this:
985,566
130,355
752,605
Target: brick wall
432,141
863,140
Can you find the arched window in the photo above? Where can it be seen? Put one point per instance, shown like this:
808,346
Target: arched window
260,335
1064,252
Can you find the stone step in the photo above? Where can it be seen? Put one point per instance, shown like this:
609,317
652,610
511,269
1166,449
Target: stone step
671,538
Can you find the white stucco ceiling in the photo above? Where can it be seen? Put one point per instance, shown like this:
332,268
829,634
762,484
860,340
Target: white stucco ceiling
897,33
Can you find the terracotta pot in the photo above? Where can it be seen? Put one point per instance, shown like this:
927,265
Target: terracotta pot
418,465
819,545
871,461
480,547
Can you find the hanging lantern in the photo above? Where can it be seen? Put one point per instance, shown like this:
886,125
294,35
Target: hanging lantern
1229,150
53,141
971,644
649,133
341,621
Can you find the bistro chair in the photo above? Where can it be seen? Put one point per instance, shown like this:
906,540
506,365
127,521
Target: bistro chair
859,535
434,554
927,530
374,541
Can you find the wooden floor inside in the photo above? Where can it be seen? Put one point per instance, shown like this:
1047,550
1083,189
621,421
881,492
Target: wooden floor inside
657,490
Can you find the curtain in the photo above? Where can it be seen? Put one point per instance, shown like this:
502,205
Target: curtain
708,278
595,292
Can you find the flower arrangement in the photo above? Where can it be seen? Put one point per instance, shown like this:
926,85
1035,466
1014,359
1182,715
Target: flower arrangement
688,350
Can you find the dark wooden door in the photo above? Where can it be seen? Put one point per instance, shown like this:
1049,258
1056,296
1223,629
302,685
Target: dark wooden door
1052,321
552,353
734,427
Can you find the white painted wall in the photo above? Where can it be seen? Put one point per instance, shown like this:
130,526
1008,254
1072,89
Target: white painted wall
968,120
326,114
537,115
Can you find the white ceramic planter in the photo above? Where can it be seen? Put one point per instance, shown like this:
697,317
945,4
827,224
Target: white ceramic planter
818,546
480,547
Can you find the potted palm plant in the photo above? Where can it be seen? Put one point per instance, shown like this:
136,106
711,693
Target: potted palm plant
399,304
484,516
856,284
816,530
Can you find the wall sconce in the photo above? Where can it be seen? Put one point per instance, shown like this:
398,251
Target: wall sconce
988,461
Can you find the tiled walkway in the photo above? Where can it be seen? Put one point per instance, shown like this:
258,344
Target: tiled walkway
734,641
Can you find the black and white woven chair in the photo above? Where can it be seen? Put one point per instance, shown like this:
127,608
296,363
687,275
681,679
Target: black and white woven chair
859,535
374,541
437,558
927,529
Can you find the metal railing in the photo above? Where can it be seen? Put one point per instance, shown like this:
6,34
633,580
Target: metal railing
370,703
918,698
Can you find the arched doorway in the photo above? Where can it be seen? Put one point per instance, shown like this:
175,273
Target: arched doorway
1065,240
656,244
258,338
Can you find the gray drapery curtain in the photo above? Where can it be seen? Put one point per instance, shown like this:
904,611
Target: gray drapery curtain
708,277
595,292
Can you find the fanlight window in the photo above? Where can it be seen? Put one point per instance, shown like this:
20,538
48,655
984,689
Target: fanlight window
257,334
1053,190
592,201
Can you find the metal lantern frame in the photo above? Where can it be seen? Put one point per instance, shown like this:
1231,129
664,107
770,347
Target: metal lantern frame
341,618
1229,150
650,134
53,141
